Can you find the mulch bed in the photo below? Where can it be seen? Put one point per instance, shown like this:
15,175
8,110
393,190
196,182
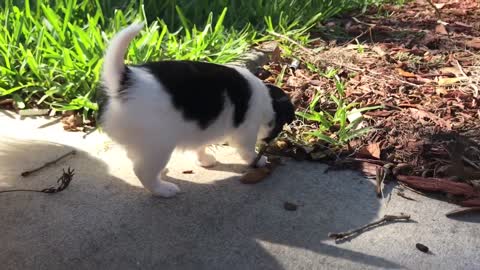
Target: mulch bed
425,71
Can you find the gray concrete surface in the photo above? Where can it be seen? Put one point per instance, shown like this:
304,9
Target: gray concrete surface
106,220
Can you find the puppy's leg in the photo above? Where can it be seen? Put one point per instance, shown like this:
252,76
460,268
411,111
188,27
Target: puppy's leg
148,166
245,146
204,159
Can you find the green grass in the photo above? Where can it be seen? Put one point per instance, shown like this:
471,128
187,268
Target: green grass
51,51
340,126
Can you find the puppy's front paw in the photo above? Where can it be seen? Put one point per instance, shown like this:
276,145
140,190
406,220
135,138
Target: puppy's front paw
262,162
206,160
165,189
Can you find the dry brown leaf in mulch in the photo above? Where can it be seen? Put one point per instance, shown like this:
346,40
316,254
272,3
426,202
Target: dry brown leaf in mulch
449,81
404,73
421,114
474,43
440,29
371,150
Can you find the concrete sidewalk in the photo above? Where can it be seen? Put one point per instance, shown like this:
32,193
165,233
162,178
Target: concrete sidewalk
106,220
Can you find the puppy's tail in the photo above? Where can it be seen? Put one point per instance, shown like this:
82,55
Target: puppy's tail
114,62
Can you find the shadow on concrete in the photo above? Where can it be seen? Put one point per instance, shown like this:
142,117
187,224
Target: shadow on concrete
102,222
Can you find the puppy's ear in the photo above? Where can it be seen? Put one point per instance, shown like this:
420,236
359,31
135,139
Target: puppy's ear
283,109
277,94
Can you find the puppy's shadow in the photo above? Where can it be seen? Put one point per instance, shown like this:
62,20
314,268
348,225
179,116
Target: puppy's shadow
104,222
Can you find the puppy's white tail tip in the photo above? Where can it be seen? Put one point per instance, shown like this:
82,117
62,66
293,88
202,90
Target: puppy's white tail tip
113,65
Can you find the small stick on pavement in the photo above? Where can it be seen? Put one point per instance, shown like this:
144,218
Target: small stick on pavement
27,173
385,219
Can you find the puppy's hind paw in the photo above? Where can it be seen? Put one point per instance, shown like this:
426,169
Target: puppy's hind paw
206,160
165,189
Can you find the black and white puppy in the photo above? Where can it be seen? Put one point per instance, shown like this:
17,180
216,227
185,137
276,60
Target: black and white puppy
153,108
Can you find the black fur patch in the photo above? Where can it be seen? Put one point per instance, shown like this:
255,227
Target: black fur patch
284,111
102,98
199,89
124,83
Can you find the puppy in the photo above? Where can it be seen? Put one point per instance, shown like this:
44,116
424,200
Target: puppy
153,108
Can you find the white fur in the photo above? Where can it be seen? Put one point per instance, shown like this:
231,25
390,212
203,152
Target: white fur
150,127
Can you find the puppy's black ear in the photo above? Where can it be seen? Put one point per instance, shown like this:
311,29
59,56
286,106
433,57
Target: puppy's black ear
283,108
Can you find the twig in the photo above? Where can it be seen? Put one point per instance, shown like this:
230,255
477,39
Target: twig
27,173
470,162
437,11
385,219
63,182
401,194
379,177
305,49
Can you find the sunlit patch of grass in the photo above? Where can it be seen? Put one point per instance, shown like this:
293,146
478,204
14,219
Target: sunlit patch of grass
53,57
51,51
339,127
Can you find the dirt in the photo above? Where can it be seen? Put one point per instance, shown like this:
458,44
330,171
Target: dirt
423,69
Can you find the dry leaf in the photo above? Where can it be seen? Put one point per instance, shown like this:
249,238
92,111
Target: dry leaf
474,43
72,122
372,150
441,91
295,81
276,55
255,175
440,29
421,114
318,155
449,81
404,73
450,70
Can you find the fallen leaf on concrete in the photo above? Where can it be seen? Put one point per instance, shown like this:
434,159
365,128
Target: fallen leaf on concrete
188,172
439,185
290,206
255,175
422,247
72,122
